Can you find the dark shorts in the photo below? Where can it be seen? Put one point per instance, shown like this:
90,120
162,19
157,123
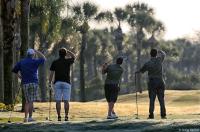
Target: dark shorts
111,92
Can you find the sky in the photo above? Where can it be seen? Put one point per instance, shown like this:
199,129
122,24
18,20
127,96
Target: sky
180,17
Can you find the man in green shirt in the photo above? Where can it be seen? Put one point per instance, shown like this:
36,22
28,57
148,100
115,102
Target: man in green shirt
156,84
114,73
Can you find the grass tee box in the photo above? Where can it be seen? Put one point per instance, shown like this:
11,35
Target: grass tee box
179,105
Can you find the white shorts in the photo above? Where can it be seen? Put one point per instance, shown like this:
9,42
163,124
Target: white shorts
62,91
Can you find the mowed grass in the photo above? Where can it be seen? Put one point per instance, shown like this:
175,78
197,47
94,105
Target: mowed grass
179,105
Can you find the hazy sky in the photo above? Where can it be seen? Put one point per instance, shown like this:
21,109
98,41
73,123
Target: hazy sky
180,17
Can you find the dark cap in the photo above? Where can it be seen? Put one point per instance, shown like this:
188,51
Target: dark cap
153,52
119,60
62,52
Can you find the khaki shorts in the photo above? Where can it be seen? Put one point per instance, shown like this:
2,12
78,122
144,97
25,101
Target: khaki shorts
30,92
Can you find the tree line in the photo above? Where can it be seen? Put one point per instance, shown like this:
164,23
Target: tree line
40,24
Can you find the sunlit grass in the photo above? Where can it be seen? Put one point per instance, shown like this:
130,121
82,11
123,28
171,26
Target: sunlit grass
179,104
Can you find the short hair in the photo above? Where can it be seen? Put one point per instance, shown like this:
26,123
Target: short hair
153,52
30,56
62,52
119,60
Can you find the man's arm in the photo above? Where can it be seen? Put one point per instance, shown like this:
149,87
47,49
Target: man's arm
104,68
71,54
161,55
143,69
40,54
16,70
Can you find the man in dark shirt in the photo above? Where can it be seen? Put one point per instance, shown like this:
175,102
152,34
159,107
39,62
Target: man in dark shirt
156,84
114,73
27,71
61,69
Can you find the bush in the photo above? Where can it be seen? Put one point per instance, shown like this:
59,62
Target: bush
4,107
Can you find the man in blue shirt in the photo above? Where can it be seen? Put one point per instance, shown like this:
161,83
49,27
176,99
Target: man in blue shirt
27,71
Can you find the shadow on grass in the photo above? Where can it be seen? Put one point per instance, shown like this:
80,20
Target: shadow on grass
103,126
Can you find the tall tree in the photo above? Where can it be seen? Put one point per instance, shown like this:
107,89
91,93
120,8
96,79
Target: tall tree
1,60
46,22
25,9
140,18
156,29
8,20
24,32
84,13
120,16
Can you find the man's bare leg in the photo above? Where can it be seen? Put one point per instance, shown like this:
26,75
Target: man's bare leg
58,107
66,106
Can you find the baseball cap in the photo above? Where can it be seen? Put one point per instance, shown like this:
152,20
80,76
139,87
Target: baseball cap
30,52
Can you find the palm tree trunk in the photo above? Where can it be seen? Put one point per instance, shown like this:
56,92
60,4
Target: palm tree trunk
82,71
8,20
1,62
42,70
25,9
73,84
16,55
90,72
42,81
119,40
95,66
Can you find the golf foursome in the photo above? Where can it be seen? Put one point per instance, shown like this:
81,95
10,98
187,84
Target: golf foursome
60,69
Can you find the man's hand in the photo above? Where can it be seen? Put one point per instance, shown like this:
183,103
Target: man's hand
105,65
40,54
71,54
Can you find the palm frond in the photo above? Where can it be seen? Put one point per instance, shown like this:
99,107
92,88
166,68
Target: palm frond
107,16
120,14
77,10
38,3
89,10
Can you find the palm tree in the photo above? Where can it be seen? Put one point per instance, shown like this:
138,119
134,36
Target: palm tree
90,53
8,21
1,61
45,22
156,29
120,15
140,18
25,9
83,14
24,32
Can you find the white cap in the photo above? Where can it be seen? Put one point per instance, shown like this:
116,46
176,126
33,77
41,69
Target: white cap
30,52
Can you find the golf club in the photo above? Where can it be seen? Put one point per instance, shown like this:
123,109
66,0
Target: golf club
136,97
50,99
9,119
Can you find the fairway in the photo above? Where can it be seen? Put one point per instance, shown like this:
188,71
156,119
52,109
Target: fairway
181,111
